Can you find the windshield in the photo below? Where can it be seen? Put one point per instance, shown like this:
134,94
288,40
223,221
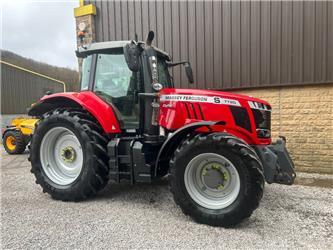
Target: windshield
163,74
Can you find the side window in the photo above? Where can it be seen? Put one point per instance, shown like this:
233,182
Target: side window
112,75
116,84
85,73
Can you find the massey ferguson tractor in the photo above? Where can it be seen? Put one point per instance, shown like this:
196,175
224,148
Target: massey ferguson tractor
129,122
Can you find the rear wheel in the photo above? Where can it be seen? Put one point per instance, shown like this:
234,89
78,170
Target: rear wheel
61,155
68,155
216,179
14,142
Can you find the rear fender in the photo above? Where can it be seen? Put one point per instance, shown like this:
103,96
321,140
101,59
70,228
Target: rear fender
87,100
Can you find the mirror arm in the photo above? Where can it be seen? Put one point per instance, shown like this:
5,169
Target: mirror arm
172,64
188,68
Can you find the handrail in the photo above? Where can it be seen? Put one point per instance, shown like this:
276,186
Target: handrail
35,73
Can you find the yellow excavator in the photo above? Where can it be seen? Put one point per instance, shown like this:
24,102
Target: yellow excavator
17,136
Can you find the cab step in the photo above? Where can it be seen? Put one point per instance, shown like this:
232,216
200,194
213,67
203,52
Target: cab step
129,161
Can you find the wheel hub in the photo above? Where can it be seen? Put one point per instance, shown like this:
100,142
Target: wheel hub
212,181
61,156
10,142
214,176
68,154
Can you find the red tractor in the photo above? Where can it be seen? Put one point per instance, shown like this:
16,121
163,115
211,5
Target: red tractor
128,122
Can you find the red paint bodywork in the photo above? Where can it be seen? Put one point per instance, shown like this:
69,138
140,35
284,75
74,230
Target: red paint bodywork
176,114
101,110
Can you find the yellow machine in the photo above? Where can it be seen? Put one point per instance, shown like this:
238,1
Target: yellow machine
16,137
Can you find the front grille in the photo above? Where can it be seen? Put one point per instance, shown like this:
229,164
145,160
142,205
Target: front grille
262,118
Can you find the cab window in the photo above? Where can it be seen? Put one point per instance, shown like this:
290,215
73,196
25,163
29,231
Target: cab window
116,84
163,74
86,66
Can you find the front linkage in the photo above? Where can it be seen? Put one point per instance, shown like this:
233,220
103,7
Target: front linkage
278,166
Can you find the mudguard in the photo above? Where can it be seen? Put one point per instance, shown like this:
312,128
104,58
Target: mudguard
177,136
102,111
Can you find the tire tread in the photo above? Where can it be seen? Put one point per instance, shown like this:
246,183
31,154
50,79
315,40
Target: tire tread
19,139
253,171
87,126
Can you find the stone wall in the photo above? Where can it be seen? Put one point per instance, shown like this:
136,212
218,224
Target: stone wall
90,29
89,37
304,115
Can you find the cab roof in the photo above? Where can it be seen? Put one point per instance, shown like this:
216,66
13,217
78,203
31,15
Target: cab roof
94,48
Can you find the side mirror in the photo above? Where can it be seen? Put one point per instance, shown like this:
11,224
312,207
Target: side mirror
189,72
132,55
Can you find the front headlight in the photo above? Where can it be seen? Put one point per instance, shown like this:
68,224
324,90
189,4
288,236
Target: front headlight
263,133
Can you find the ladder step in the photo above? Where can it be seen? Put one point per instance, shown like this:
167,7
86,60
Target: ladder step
121,168
122,173
124,159
120,163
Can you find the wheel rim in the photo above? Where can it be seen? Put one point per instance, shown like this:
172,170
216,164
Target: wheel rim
212,181
61,156
11,143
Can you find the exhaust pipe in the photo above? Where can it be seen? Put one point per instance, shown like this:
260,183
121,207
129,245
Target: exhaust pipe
151,87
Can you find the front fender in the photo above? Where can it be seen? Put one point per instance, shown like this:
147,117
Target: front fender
174,140
87,100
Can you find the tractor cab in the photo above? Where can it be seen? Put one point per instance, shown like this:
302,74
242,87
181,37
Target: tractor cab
128,75
106,73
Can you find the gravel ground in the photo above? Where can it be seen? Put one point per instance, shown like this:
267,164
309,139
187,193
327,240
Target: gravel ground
145,216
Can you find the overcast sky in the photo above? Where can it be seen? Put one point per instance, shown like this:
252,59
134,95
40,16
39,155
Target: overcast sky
41,30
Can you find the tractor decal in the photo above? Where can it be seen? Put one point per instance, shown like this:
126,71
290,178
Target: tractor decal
202,99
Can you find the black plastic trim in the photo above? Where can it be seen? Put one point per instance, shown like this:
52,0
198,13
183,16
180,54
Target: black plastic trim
177,136
278,166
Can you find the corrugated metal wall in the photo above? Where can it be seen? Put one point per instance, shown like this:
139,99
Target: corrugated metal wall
231,44
19,89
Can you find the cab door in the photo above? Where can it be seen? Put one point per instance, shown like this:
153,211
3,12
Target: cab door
116,84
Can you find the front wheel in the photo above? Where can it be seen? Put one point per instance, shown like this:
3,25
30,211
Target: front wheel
216,179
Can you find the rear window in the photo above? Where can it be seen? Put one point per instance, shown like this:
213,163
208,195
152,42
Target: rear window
86,65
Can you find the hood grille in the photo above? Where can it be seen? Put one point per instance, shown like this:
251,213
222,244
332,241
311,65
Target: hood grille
241,117
193,111
262,118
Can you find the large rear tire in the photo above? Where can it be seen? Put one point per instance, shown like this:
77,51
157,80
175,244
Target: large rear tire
216,179
68,155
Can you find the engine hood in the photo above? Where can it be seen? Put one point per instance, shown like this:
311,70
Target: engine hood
179,107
